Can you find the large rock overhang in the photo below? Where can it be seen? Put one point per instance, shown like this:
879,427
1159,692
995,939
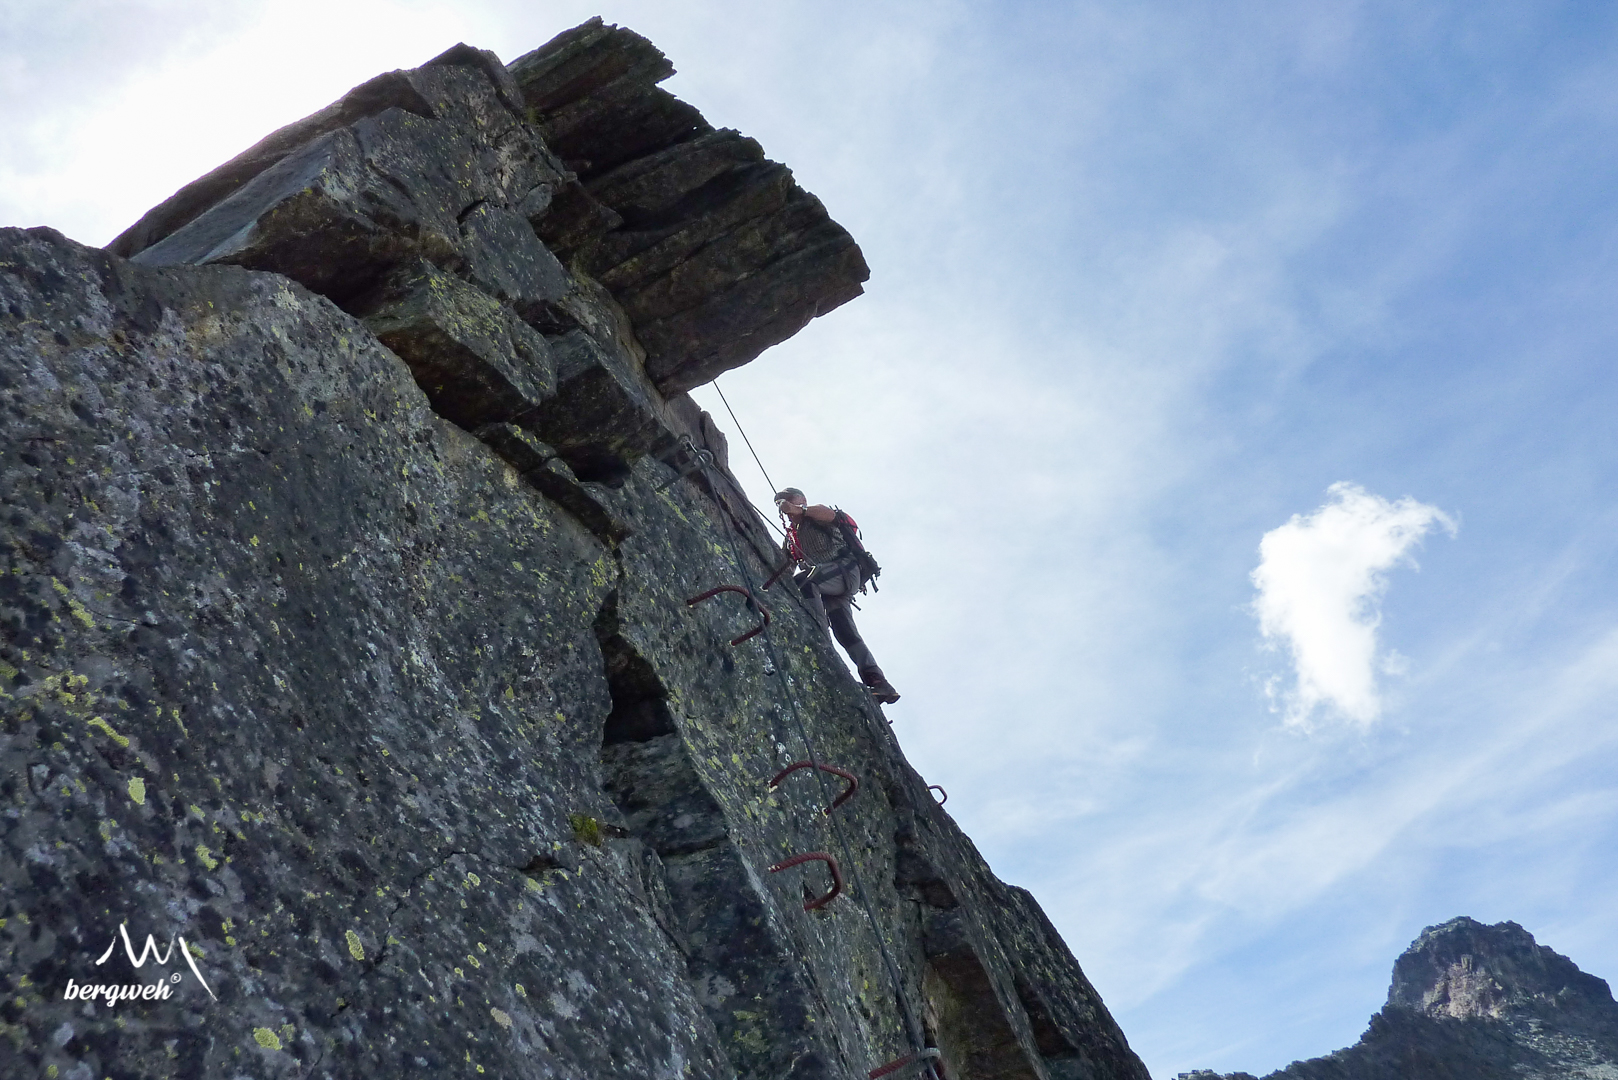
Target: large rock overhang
565,173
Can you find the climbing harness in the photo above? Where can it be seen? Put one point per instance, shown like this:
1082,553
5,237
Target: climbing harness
831,864
851,557
917,1036
848,792
928,1055
751,602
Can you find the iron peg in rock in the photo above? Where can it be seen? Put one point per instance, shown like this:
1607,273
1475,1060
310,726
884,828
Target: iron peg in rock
751,602
831,864
920,1058
847,794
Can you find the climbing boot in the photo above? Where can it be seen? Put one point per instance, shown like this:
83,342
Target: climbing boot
882,690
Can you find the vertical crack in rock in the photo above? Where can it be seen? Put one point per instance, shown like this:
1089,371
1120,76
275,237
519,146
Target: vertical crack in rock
975,1030
740,969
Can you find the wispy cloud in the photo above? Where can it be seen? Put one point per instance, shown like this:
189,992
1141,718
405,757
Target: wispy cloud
1320,582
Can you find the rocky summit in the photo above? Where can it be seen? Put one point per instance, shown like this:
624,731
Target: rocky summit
369,708
1477,1002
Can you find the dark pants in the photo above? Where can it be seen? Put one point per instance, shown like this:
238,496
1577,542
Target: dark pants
830,595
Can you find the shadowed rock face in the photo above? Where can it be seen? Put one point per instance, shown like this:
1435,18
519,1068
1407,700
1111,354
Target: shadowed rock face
344,632
1483,1002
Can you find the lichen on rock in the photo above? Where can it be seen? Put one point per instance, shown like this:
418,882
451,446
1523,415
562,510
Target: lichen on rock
352,506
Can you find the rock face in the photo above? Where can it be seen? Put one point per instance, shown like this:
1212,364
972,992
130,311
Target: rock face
1479,1002
351,525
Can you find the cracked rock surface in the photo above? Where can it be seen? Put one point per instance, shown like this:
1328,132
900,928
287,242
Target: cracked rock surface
347,539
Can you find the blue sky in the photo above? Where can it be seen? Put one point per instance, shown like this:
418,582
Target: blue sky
1148,279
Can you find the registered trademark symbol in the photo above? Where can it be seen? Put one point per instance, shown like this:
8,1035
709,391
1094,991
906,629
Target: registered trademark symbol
175,977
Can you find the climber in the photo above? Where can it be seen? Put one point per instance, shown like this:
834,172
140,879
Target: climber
828,576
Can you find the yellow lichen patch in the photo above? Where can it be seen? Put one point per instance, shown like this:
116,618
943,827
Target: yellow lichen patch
520,991
355,948
206,857
97,722
473,879
73,605
503,1019
137,790
266,1038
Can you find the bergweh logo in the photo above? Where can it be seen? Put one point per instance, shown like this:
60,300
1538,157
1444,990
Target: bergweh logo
113,993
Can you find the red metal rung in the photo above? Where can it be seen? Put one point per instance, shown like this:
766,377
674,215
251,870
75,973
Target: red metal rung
831,864
751,602
929,1054
848,792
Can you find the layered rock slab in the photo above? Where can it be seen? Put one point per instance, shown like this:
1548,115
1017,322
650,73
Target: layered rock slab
712,251
715,252
337,209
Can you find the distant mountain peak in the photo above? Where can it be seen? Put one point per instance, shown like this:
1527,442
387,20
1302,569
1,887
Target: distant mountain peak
1465,969
1480,1002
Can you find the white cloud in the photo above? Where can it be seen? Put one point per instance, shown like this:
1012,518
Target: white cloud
1320,582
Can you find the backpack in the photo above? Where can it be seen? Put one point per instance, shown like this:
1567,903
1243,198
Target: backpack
864,560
